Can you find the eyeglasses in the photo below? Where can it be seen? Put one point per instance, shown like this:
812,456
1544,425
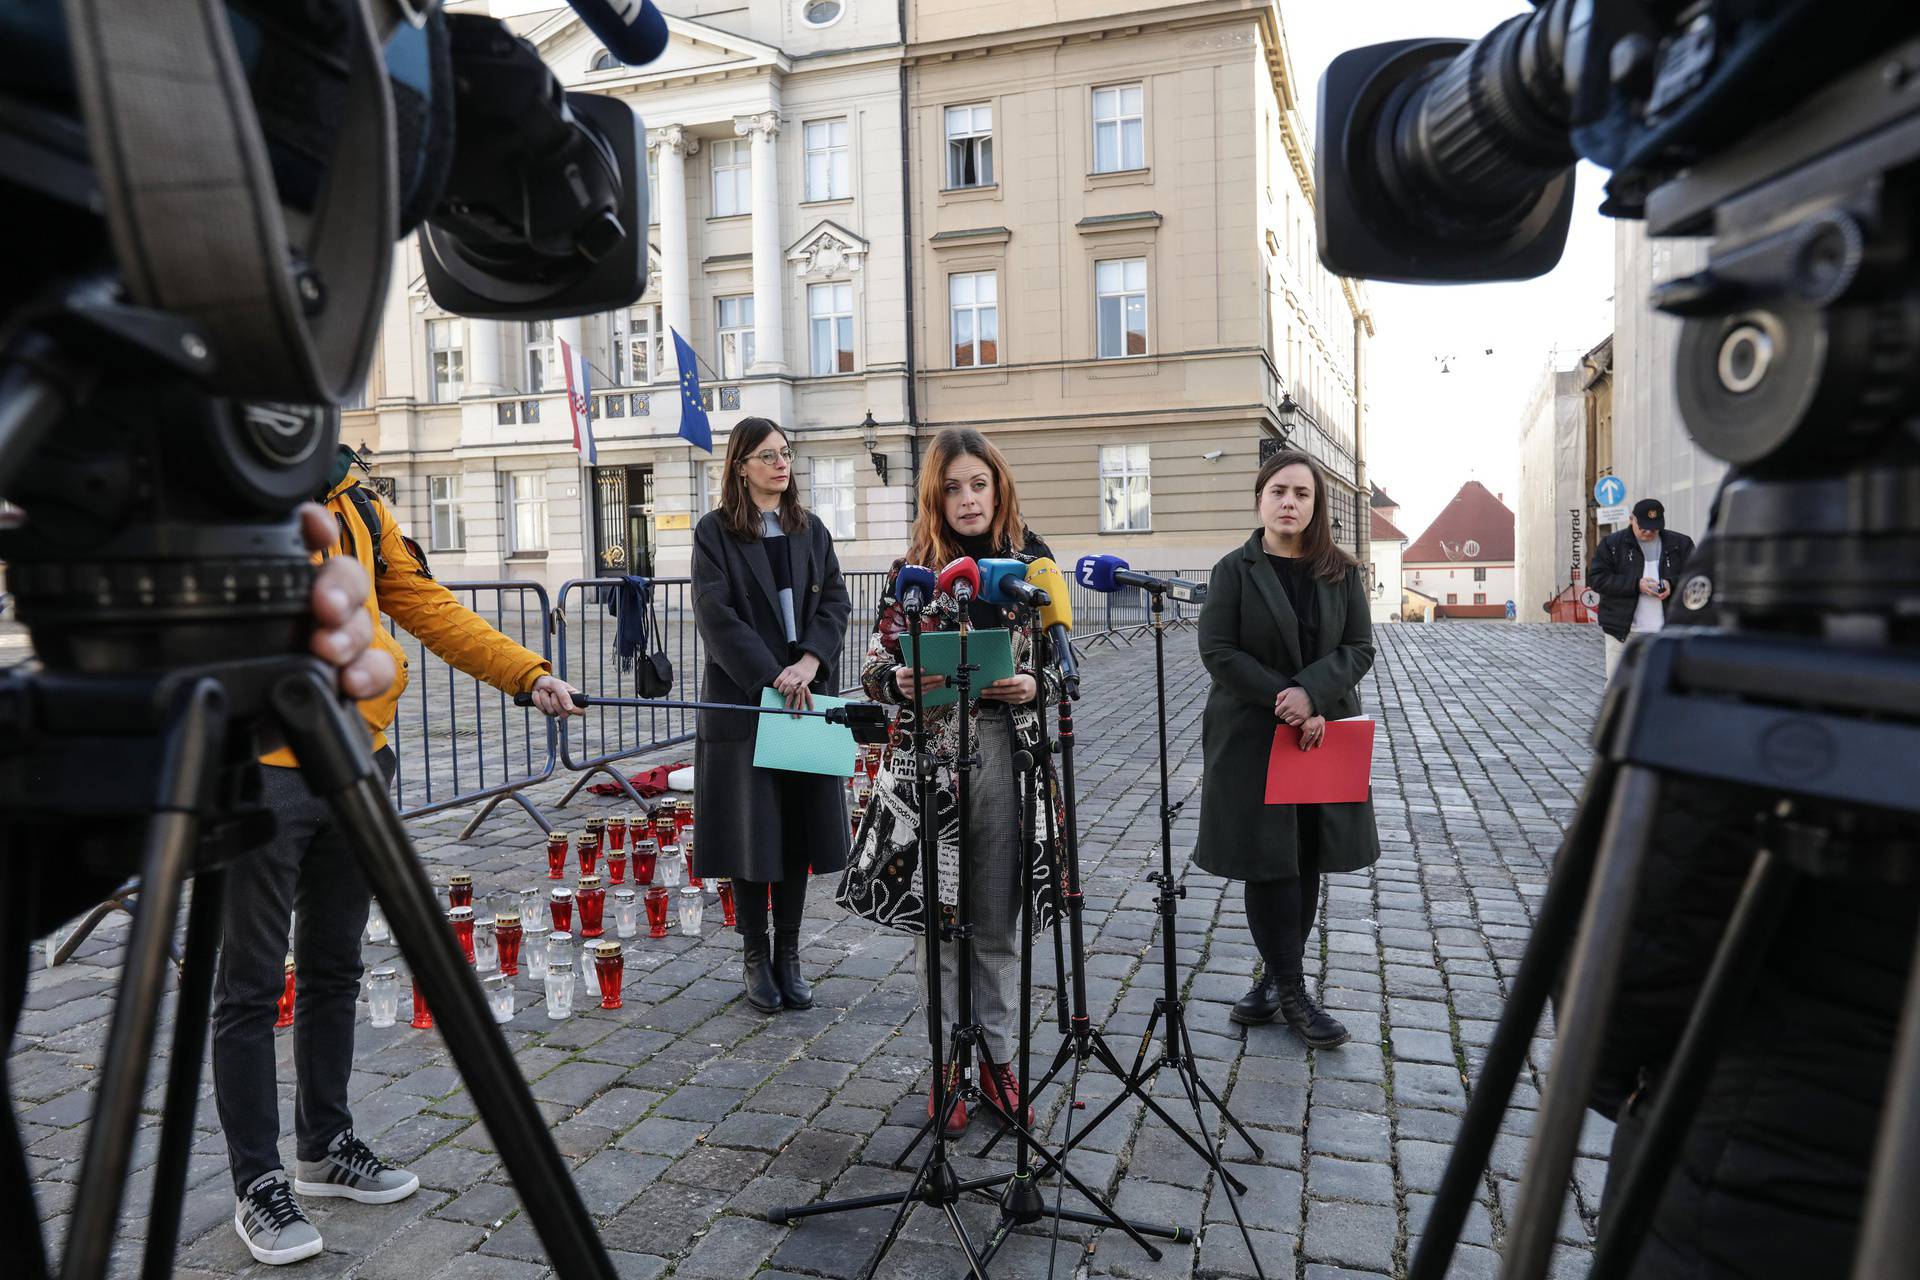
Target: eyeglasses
767,457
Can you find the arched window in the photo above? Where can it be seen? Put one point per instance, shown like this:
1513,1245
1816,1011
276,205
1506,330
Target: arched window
604,61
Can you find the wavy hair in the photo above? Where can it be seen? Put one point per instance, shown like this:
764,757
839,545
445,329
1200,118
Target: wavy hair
933,543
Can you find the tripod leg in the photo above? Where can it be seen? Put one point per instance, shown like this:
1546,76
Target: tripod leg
190,1022
907,1201
1540,967
334,759
974,1265
195,735
1190,1079
1214,1098
1890,1234
1592,973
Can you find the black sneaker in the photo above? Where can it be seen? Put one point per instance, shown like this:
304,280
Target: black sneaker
270,1224
1320,1029
349,1169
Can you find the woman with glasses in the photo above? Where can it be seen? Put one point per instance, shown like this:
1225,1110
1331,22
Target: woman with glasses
772,613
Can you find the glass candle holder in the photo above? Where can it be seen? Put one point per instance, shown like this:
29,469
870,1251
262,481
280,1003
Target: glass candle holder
560,989
285,1018
672,869
383,996
379,930
646,860
560,907
658,899
725,888
460,889
535,947
616,866
609,965
693,909
693,867
461,918
531,905
486,947
666,832
557,855
593,902
507,932
422,1016
499,989
626,912
589,850
616,833
559,947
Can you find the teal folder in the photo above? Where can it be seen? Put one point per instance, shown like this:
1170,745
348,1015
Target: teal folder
990,651
804,744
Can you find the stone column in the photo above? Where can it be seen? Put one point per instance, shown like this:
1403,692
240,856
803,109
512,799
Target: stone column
769,298
676,307
486,372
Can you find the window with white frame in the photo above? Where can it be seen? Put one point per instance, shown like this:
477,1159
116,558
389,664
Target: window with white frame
833,494
603,60
543,356
636,346
1126,489
1119,128
1120,289
974,300
830,319
970,146
527,511
732,178
829,160
736,335
449,523
447,358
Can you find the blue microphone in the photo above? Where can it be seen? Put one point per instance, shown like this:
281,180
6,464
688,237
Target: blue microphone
633,30
1110,573
1004,582
913,586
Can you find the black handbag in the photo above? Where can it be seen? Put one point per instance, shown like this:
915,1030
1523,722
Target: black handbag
653,674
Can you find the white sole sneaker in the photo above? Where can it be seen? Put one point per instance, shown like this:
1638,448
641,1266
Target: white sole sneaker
340,1190
275,1257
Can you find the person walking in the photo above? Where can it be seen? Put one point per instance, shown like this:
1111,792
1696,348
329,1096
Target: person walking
1285,633
772,610
1634,570
308,871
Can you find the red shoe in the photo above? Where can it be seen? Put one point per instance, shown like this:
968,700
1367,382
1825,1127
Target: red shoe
957,1118
1001,1088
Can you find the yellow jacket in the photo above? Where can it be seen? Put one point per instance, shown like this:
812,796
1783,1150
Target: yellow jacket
427,610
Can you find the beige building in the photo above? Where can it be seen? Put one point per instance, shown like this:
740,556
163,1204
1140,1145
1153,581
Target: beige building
1097,247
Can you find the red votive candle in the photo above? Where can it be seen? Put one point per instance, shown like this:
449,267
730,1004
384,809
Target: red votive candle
610,965
506,931
616,865
657,898
616,833
557,855
461,918
286,999
593,901
725,888
589,847
422,1016
645,854
560,904
459,889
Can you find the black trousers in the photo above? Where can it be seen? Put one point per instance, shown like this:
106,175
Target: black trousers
789,892
1280,912
309,871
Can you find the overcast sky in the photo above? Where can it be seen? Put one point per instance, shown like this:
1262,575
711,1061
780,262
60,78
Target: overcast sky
1427,434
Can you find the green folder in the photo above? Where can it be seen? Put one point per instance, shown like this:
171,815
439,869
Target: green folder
990,651
804,744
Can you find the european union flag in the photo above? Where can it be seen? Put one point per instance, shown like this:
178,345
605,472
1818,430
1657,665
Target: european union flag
693,418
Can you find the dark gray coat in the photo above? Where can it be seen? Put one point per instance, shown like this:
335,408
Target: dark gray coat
745,816
1250,643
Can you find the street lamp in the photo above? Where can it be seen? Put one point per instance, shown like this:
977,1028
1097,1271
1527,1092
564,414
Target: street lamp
870,436
1289,414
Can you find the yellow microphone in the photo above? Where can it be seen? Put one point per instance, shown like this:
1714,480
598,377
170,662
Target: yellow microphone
1056,615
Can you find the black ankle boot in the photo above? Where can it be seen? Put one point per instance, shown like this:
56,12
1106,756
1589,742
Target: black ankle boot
795,991
1257,1007
1320,1029
763,993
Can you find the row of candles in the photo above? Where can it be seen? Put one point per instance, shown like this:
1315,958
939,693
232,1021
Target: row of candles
858,797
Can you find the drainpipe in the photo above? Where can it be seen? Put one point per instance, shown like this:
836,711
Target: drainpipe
906,227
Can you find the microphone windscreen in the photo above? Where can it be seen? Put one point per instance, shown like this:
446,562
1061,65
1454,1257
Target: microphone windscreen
964,570
1058,610
635,33
994,575
912,578
1097,572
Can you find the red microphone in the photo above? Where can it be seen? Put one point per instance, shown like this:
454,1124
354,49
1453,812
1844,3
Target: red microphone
961,579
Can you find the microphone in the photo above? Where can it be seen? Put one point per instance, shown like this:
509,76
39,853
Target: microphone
961,579
913,586
1110,573
1056,615
1004,582
632,30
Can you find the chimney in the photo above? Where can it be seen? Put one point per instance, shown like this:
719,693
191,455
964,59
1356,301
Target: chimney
1499,497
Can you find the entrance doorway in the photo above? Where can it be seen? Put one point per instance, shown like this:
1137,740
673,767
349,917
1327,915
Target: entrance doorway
623,537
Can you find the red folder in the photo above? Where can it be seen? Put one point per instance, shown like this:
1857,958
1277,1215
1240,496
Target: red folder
1338,771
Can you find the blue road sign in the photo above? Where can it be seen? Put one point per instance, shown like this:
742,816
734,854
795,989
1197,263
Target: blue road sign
1609,491
1512,612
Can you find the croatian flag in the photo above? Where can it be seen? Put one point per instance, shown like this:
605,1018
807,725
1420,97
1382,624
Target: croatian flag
578,403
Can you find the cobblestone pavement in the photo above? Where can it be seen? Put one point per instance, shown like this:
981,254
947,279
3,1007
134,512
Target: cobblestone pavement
686,1115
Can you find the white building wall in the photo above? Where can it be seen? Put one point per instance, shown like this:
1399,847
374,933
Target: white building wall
1440,581
1551,513
1384,555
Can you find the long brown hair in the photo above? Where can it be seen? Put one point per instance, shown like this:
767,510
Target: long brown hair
1323,556
737,511
934,544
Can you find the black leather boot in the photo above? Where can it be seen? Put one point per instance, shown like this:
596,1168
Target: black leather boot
795,991
1303,1013
763,993
1258,1006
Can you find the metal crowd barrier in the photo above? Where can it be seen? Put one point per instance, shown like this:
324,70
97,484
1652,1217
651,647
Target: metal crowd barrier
457,741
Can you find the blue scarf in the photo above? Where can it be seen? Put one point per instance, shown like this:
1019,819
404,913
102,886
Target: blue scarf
628,602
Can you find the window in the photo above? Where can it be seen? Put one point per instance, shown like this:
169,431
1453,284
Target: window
447,358
732,178
829,162
830,312
1453,598
543,357
970,146
833,493
1479,597
1479,575
976,319
1119,128
356,397
653,186
712,485
636,346
449,532
736,335
527,502
604,61
821,13
1120,286
1126,491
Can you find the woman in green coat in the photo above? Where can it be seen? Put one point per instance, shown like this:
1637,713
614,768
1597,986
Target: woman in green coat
1286,636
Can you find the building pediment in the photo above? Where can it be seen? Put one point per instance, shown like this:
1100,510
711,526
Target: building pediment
828,250
693,49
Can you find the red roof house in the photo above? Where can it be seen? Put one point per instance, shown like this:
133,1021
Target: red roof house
1465,557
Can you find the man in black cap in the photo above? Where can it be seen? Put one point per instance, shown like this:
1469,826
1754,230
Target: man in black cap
1634,570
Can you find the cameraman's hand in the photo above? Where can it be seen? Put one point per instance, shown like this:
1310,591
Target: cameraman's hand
342,627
